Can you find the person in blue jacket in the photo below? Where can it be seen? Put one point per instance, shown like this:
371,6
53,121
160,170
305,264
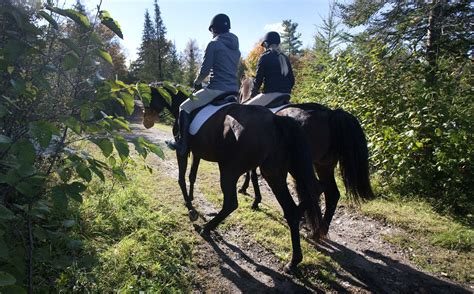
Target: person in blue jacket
273,71
221,60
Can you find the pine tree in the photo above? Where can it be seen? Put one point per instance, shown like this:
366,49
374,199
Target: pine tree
162,46
291,42
192,56
144,67
329,36
433,28
174,71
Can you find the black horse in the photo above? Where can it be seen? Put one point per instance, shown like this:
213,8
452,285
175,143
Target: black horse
334,136
240,138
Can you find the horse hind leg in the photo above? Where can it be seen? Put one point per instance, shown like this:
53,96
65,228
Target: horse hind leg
331,192
192,176
291,214
245,185
256,188
229,188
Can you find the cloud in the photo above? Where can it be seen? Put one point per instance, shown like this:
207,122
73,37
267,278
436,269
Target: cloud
277,27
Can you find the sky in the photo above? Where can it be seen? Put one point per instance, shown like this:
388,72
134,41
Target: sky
189,19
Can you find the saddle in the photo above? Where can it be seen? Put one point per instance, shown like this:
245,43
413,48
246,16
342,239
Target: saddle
279,101
200,115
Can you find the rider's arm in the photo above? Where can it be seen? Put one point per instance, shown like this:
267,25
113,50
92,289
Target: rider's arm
207,63
259,77
290,72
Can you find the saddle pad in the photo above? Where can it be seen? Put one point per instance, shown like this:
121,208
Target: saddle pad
276,109
203,115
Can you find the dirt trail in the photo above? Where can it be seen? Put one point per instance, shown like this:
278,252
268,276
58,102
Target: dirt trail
232,262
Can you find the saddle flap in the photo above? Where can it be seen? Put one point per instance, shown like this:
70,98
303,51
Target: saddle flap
226,97
279,101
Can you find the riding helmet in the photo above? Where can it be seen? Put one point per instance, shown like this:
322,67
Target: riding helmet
271,38
220,23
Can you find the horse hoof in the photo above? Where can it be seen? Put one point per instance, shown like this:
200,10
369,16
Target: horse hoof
255,207
241,191
193,215
289,268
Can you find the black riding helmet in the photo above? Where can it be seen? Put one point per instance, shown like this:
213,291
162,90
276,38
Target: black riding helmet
271,38
220,23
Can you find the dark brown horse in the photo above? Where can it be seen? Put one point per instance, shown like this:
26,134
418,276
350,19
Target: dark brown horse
334,136
240,138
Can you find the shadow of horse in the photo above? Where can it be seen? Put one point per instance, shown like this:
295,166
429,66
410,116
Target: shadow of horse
383,274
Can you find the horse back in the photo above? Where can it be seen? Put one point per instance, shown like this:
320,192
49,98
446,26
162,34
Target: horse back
238,133
315,120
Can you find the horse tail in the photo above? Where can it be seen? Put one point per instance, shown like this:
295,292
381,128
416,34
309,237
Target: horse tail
351,146
301,167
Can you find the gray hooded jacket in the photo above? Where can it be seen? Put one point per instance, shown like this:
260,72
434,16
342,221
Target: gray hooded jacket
221,60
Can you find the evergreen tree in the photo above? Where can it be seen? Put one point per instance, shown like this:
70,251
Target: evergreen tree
143,68
162,46
192,56
175,71
329,36
434,28
291,42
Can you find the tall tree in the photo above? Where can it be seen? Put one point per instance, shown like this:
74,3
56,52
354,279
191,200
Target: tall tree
329,34
143,67
291,42
192,57
162,46
433,28
174,70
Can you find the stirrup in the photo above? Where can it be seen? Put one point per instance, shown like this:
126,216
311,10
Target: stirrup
171,145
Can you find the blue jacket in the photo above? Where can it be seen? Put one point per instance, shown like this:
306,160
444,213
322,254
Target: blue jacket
221,60
269,73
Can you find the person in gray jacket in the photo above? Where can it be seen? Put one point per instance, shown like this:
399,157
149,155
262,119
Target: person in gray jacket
221,60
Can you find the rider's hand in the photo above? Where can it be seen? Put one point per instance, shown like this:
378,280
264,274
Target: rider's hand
197,87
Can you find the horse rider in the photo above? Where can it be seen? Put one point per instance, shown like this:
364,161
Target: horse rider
273,71
221,60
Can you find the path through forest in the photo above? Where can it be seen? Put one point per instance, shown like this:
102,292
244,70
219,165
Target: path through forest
231,262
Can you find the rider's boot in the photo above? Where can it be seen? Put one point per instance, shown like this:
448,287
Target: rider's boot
181,145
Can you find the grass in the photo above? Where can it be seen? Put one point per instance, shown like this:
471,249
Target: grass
133,238
436,243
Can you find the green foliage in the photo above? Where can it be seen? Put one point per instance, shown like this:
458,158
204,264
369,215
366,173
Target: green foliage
53,96
290,39
419,138
132,241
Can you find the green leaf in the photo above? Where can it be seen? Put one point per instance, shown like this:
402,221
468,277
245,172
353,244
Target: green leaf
27,189
84,172
86,113
438,132
98,172
6,279
14,289
144,92
104,55
3,248
156,149
109,22
164,94
25,151
73,124
71,45
121,145
140,146
76,16
69,223
129,102
170,87
119,174
95,38
5,140
43,131
6,213
70,61
49,18
105,145
59,197
3,111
